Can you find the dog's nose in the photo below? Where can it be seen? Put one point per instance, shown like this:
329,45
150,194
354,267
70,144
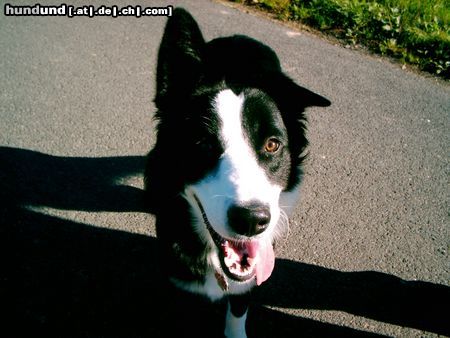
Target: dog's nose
249,220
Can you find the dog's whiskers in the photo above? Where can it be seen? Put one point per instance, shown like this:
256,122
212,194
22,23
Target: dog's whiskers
223,196
282,230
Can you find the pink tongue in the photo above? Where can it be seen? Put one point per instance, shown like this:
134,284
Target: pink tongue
266,261
252,248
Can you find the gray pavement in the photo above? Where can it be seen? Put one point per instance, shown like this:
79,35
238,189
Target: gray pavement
367,251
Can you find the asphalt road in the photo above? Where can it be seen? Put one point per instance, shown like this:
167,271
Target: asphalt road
367,252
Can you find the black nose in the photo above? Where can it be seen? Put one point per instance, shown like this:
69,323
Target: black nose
249,220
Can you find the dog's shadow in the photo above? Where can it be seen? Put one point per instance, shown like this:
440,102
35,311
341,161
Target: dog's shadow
64,279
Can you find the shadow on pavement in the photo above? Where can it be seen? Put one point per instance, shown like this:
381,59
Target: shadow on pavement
67,279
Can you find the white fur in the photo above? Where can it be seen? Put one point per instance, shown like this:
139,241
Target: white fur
235,326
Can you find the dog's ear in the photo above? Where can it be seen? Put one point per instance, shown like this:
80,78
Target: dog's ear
179,58
298,97
310,99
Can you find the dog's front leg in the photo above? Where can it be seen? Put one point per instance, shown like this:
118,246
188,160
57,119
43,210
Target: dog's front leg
236,316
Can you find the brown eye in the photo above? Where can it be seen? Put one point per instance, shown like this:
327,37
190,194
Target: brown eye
272,145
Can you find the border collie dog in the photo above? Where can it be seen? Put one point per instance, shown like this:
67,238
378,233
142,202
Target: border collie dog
226,167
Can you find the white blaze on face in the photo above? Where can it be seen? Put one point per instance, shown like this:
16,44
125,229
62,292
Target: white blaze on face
239,178
239,164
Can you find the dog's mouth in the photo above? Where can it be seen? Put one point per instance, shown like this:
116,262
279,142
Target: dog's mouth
241,260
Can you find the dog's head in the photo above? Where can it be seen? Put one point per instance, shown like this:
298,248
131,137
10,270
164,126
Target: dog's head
231,137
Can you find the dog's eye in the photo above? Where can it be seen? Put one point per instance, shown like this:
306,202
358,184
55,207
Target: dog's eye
272,145
204,144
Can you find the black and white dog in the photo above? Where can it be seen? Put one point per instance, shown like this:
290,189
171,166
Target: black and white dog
226,166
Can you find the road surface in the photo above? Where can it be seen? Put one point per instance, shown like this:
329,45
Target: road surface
367,252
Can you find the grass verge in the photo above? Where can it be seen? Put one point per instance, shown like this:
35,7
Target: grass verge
415,31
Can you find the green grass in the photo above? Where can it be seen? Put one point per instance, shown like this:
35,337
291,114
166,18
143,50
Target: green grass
414,31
